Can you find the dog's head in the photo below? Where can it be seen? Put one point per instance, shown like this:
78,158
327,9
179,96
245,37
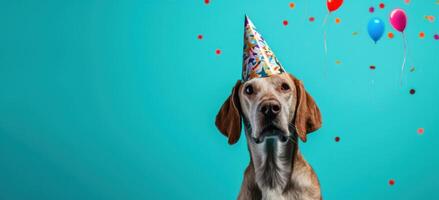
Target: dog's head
275,106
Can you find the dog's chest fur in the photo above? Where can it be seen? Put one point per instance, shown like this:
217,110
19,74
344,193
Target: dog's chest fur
279,172
301,188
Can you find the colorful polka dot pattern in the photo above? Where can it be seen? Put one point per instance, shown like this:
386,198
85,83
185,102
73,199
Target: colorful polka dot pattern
259,60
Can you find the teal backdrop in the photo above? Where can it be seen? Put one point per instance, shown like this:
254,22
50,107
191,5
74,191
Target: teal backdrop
117,99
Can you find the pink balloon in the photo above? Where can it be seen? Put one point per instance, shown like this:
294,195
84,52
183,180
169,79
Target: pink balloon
398,19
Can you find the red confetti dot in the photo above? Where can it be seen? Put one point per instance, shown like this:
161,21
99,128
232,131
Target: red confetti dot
337,139
285,22
200,37
436,37
372,67
391,182
420,131
412,91
381,5
206,1
390,35
218,51
371,9
311,19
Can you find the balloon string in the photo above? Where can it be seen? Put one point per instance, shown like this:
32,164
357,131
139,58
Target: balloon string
405,56
326,18
324,34
306,9
324,43
372,84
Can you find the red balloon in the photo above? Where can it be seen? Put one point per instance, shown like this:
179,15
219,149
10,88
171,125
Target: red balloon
333,4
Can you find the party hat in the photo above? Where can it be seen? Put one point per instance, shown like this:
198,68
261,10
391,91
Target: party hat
259,61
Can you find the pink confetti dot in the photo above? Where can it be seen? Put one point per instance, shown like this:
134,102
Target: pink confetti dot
420,131
206,1
285,22
371,9
407,1
218,52
372,67
436,37
337,139
311,19
381,5
412,91
391,182
200,37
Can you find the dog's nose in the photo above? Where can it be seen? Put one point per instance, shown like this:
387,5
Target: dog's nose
270,109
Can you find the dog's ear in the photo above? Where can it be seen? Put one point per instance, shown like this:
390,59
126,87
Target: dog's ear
228,119
307,117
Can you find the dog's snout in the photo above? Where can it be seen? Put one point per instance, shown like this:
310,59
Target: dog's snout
270,108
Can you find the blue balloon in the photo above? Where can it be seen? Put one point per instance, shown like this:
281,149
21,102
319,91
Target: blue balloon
375,28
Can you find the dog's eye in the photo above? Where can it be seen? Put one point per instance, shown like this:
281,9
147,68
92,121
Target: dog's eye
249,90
285,87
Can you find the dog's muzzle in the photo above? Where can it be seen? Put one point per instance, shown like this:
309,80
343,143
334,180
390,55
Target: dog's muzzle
271,132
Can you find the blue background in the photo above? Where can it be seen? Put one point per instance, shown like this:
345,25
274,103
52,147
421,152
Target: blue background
117,99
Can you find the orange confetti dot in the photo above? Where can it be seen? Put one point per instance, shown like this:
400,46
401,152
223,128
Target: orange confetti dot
430,18
337,20
420,131
337,62
407,1
421,34
292,5
390,35
355,33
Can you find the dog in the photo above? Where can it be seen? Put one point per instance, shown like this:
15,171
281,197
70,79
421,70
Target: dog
275,111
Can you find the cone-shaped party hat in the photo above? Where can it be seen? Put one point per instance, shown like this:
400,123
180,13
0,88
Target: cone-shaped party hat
259,61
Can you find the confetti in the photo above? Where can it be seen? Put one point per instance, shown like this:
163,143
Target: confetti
337,139
412,69
285,22
218,52
390,35
371,9
407,1
311,19
372,67
391,182
292,5
422,35
430,18
382,5
337,20
206,1
436,37
337,62
420,131
200,37
412,91
355,33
